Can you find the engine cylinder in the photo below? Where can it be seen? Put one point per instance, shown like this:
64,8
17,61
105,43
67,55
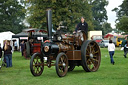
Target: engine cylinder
50,48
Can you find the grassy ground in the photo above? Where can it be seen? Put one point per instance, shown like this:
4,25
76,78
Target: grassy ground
107,74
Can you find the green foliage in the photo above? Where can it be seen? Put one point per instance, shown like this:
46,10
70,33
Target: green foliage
65,12
11,16
99,13
122,14
122,10
107,74
123,24
106,28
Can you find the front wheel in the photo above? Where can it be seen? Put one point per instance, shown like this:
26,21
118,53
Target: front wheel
36,64
61,64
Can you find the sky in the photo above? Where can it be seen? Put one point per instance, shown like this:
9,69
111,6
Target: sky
112,15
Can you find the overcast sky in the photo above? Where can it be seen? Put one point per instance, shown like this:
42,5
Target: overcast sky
112,15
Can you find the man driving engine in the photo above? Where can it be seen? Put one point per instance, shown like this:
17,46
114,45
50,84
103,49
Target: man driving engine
82,26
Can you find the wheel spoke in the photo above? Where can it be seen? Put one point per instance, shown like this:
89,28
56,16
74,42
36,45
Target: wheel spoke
37,64
33,60
61,59
96,52
37,59
87,51
93,45
33,68
91,61
88,55
94,56
65,60
62,69
89,65
37,70
95,60
88,61
93,50
90,47
61,65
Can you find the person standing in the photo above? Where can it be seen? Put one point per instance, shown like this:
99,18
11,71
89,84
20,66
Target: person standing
22,47
15,45
82,26
123,45
0,51
111,49
126,50
0,55
7,53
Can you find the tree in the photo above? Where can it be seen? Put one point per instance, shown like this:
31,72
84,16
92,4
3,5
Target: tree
11,16
99,13
122,10
106,28
66,11
122,16
123,24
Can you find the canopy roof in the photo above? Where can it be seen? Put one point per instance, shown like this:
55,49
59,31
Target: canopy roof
35,32
5,36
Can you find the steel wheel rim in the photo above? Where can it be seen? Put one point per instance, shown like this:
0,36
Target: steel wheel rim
92,56
37,65
62,65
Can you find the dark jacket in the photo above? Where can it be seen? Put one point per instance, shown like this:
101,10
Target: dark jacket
0,52
123,43
82,26
8,51
22,46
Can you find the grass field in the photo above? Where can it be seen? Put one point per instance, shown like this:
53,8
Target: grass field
107,74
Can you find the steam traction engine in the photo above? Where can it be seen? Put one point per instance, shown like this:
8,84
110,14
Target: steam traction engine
65,52
31,46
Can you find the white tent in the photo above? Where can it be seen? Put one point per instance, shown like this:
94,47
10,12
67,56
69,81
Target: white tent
5,36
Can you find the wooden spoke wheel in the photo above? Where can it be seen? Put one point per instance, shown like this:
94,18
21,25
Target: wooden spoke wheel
36,64
61,64
91,56
71,65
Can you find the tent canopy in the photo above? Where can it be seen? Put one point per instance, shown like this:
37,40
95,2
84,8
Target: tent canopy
108,35
5,36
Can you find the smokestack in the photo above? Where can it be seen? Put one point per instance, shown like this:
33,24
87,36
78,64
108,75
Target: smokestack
49,23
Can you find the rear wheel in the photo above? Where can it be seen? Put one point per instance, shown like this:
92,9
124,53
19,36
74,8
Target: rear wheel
61,64
91,56
26,52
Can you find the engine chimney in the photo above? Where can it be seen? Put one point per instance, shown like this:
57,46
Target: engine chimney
49,23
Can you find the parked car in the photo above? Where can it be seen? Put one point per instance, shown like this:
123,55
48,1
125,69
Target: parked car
104,43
